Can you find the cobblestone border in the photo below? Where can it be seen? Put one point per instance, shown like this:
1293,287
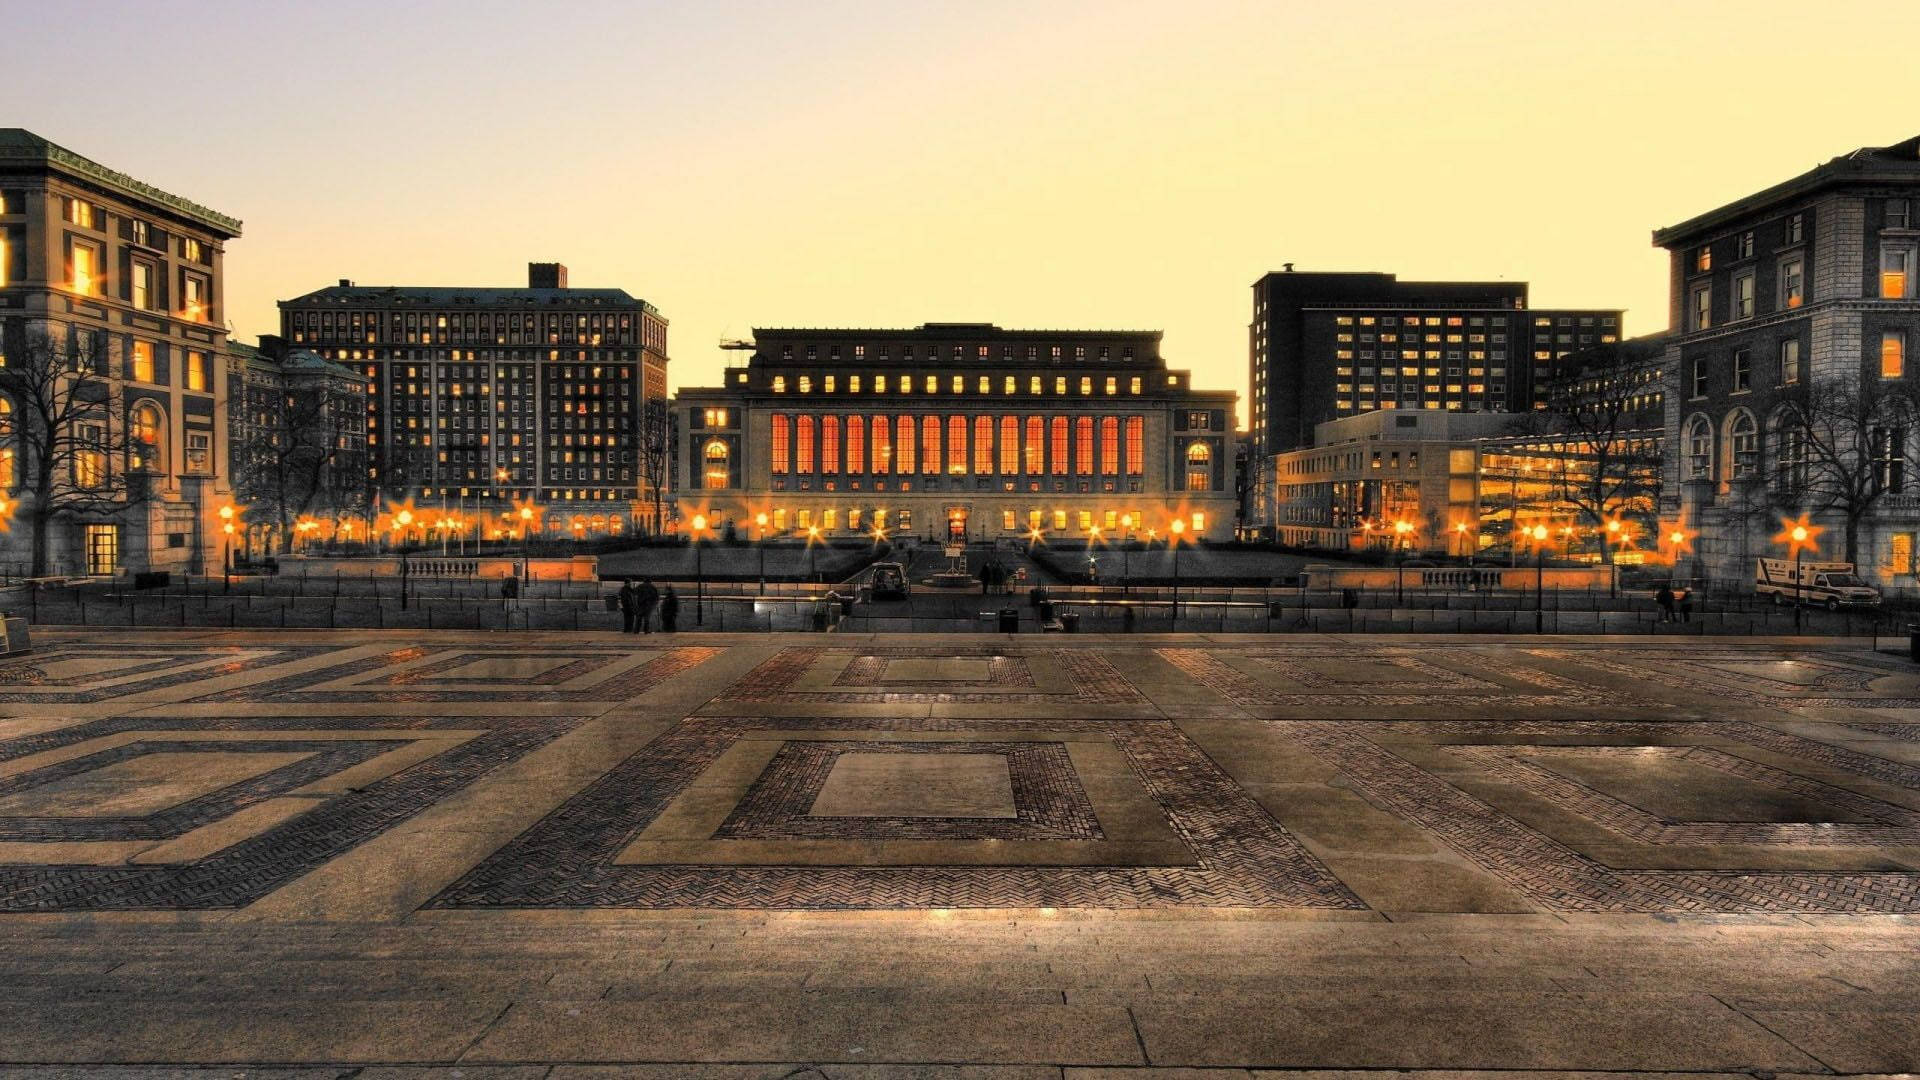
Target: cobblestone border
292,689
567,860
166,657
1095,680
1048,800
1562,879
252,868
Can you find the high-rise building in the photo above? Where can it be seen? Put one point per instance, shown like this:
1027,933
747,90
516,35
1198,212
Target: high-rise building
1327,345
956,431
482,396
112,319
1795,312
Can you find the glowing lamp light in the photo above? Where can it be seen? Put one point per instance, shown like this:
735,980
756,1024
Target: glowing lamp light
526,513
1799,534
760,519
1177,527
699,522
404,517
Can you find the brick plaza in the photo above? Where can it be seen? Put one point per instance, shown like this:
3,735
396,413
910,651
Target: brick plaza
929,856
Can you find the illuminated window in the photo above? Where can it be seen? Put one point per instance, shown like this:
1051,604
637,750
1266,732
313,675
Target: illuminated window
957,445
717,470
193,297
780,519
1199,467
882,445
1057,449
806,384
1136,445
930,445
1009,446
904,456
803,444
856,445
779,384
853,384
198,377
1007,523
1036,452
983,445
1896,266
1703,260
1893,354
1198,520
933,384
79,212
142,367
83,268
142,286
1109,445
782,444
829,444
146,427
1060,521
1793,283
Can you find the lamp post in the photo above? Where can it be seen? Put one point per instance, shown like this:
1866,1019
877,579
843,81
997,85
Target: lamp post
813,536
1610,544
1173,541
1798,535
1538,534
227,514
699,524
760,541
1402,529
1126,556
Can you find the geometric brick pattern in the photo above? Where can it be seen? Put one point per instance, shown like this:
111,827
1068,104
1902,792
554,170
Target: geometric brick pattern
1049,802
256,865
132,669
1829,680
1089,678
1241,857
410,681
1559,878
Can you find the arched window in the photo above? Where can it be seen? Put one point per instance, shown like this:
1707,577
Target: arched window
145,449
1699,449
1742,460
717,472
1199,467
1787,453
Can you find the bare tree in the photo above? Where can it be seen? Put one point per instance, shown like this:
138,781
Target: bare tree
656,459
1606,461
67,423
1839,446
300,459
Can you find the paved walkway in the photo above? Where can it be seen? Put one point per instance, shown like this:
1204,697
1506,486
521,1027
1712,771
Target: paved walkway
523,855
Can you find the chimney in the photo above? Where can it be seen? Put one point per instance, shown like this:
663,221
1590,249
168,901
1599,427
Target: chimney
546,276
345,284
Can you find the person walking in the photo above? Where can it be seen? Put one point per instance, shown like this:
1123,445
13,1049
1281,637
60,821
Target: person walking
644,601
1664,598
1685,600
629,599
669,610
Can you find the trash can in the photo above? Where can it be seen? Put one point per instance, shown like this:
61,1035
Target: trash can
1913,642
1276,610
1037,595
1046,610
1009,620
1070,622
846,605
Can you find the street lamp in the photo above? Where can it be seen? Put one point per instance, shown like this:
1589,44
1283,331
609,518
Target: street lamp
760,540
1093,562
1174,531
227,514
1538,534
1798,535
1402,529
699,578
813,536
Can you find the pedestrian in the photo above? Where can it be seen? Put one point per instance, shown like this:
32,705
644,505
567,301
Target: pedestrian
669,610
1686,605
629,599
1664,598
644,601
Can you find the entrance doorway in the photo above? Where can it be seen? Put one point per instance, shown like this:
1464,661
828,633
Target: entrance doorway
103,550
956,524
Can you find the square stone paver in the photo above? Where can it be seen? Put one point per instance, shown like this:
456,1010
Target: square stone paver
936,669
917,785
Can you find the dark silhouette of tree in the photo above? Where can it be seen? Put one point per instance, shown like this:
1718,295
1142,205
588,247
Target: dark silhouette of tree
1604,458
1839,447
67,423
655,458
300,457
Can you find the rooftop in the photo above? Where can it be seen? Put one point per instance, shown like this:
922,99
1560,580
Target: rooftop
468,296
1899,163
20,145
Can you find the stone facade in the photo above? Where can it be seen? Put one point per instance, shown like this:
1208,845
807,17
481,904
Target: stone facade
125,280
1797,295
956,431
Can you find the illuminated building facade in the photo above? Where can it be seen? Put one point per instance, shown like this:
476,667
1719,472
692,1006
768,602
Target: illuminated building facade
956,431
480,396
319,470
125,282
1322,346
1803,296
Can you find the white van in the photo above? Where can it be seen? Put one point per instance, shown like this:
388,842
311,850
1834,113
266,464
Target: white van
1832,585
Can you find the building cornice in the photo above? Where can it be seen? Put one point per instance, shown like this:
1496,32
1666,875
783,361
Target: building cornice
31,149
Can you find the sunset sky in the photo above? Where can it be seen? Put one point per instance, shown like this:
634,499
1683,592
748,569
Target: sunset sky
1036,164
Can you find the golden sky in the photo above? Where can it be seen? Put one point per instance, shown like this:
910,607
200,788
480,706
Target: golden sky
1037,164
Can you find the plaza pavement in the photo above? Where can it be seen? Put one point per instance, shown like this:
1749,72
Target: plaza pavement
497,856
